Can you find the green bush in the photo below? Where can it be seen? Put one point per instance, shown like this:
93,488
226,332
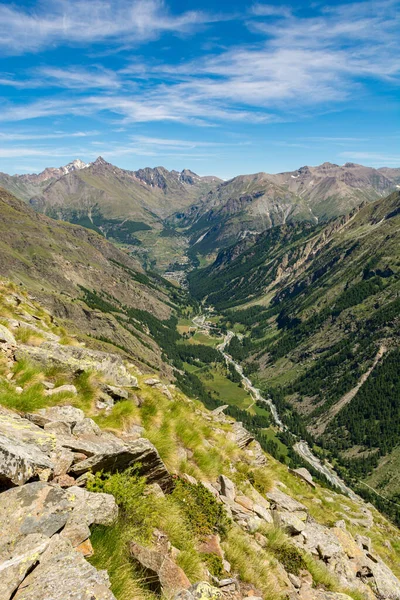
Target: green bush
291,558
204,514
213,564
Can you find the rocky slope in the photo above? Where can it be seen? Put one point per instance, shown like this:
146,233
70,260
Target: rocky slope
26,186
104,190
115,485
320,312
59,263
250,204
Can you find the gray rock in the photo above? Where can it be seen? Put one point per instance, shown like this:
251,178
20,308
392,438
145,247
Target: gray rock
294,580
282,501
263,513
242,436
58,428
199,591
6,336
115,392
49,385
62,389
80,359
18,560
210,487
64,574
87,427
303,474
227,487
152,381
140,452
321,542
24,450
364,542
288,521
220,409
68,414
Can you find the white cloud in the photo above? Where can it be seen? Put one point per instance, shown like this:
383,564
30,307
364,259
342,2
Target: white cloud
79,78
375,158
87,22
270,10
13,137
303,64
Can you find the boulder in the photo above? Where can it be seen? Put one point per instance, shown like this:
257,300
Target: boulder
6,337
62,389
87,427
242,436
220,409
282,501
303,474
116,393
58,428
263,513
152,381
321,542
137,452
64,573
288,521
199,591
16,563
162,573
227,488
24,450
40,508
80,359
68,414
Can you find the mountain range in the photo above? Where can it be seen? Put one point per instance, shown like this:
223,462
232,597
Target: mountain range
116,380
162,214
318,309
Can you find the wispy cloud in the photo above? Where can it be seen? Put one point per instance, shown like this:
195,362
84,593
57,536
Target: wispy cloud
270,10
300,65
84,21
374,158
78,78
13,137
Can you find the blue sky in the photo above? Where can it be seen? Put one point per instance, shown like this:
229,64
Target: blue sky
221,88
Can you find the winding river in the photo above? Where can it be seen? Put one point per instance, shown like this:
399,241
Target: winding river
301,447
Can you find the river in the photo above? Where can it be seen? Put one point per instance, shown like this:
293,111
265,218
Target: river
301,447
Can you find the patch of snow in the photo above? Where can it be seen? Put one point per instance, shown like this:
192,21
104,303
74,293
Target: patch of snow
201,237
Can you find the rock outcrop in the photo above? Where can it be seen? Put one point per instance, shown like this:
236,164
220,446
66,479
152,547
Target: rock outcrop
40,522
80,359
42,446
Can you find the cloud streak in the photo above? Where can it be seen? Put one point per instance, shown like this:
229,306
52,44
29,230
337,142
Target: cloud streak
89,22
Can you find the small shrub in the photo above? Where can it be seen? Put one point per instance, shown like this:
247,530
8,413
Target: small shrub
291,558
261,479
214,564
204,514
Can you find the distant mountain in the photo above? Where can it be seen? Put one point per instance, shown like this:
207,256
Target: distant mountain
105,191
26,186
250,204
63,264
319,307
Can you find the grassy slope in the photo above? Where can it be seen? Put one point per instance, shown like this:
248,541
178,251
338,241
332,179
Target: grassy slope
173,426
349,269
55,259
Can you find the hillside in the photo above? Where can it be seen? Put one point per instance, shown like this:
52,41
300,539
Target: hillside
319,309
116,485
28,185
127,207
63,264
250,204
